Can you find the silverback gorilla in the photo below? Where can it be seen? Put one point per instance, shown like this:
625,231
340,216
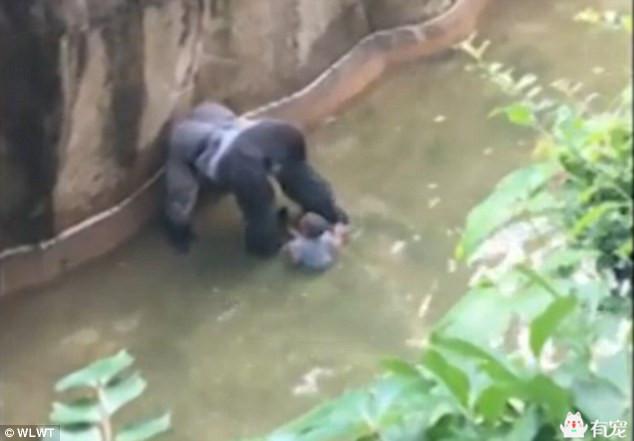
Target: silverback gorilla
213,145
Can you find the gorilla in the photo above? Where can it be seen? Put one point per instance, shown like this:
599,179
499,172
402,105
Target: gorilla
212,145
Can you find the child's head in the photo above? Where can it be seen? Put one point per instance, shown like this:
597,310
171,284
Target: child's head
313,225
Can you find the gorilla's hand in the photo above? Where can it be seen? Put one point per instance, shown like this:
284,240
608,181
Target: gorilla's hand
180,236
342,216
302,184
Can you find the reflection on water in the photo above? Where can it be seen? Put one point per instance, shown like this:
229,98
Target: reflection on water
234,345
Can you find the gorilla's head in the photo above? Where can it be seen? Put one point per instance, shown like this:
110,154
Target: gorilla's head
212,113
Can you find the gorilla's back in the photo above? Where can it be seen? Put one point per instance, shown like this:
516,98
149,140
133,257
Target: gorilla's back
278,140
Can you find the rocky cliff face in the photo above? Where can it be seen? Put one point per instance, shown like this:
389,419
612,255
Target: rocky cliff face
87,86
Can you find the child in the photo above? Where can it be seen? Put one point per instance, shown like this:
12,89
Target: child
315,245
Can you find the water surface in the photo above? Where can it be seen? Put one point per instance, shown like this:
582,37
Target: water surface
234,345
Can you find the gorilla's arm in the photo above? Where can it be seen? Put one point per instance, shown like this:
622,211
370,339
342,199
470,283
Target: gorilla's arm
255,195
301,183
182,192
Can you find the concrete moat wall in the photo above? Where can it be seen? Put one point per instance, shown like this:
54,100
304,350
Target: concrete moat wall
87,88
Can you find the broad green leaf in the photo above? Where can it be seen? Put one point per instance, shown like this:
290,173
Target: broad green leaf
145,430
491,403
98,373
409,428
456,381
555,400
488,362
544,326
117,395
339,419
539,280
391,402
503,204
81,412
464,319
565,259
616,369
598,399
542,203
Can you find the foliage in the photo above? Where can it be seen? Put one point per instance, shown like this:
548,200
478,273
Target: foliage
538,333
582,182
102,389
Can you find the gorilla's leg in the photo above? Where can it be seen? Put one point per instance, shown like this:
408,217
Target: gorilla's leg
301,183
182,192
247,179
187,138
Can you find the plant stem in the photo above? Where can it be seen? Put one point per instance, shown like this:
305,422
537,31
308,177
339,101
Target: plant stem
106,424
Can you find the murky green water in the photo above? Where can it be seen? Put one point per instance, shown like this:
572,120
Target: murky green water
234,345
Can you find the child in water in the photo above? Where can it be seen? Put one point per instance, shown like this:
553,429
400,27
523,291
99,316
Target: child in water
315,245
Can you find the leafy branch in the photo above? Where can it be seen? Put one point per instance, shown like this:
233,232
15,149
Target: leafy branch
101,389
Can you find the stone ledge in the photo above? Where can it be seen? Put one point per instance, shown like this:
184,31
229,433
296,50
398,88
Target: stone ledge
31,266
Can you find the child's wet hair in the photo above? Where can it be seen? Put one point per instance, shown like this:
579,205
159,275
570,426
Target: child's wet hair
313,225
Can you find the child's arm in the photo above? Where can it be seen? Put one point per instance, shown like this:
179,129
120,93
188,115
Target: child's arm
292,249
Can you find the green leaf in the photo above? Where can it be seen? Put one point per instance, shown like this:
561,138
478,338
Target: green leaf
539,280
491,403
524,428
625,249
504,204
393,399
98,373
408,428
591,217
119,394
80,412
87,434
341,419
518,113
400,368
452,377
489,363
544,326
555,400
464,319
145,430
563,259
598,399
616,369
